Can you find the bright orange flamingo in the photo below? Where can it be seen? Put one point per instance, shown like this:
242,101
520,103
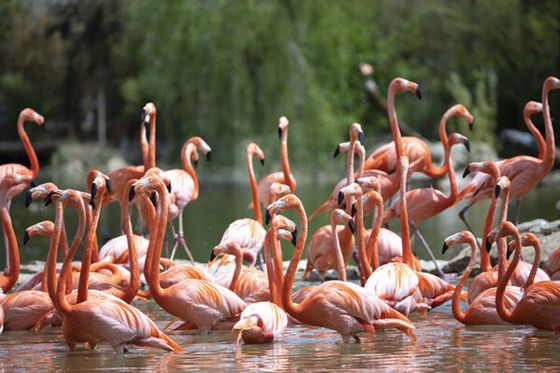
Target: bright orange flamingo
249,233
524,172
284,177
540,304
249,283
26,115
482,309
264,322
425,203
201,304
416,150
322,253
185,186
337,305
103,320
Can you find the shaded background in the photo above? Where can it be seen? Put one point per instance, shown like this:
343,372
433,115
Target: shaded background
228,69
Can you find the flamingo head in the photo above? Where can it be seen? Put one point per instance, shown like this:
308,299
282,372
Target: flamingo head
552,83
366,69
343,147
253,149
100,183
356,133
457,138
227,248
338,216
503,185
30,115
532,107
44,228
349,191
39,191
160,174
399,85
457,238
284,226
201,145
290,201
504,229
279,190
148,111
460,110
282,127
371,198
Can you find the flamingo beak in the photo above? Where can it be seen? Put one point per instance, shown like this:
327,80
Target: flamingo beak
353,211
267,217
279,133
153,198
352,225
488,244
208,156
131,193
168,186
361,138
25,237
497,191
262,161
336,152
418,93
467,172
143,116
48,199
93,192
212,258
294,237
28,199
471,125
467,145
108,185
195,162
32,184
340,197
444,248
509,252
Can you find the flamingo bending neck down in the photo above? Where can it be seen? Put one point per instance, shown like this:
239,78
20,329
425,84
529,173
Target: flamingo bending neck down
341,306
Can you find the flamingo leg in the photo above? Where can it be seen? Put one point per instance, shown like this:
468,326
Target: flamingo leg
182,237
517,211
175,242
430,253
464,219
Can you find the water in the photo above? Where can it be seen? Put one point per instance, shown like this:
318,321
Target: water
442,345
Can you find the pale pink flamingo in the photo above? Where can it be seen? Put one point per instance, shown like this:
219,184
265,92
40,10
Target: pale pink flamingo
416,150
285,176
525,172
249,233
337,305
264,322
482,309
201,304
185,188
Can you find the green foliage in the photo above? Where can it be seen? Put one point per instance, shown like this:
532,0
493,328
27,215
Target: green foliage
227,70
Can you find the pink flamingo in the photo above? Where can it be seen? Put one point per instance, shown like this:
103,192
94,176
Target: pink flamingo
284,177
553,265
185,186
337,305
201,304
524,172
26,115
482,309
418,153
539,304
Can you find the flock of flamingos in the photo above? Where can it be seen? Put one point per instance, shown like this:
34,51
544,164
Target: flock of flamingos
92,300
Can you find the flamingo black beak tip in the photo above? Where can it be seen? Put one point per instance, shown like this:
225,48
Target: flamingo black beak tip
352,225
25,237
340,197
488,245
108,185
143,115
294,237
419,93
444,248
153,198
497,191
279,133
209,156
353,211
361,138
28,199
467,145
466,172
336,152
131,193
195,163
262,161
471,126
267,217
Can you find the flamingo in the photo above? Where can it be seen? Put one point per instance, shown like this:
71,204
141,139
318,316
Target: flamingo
284,177
482,309
249,233
539,305
525,172
426,203
321,252
106,319
26,115
341,306
201,304
185,186
553,265
249,283
264,322
278,190
417,150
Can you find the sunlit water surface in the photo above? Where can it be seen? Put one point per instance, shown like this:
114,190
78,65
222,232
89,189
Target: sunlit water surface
442,344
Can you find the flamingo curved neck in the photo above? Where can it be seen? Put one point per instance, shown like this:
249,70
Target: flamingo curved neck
488,223
372,248
236,271
503,312
11,274
33,161
186,153
270,270
535,267
285,161
456,302
350,162
293,308
549,133
156,242
340,264
144,148
254,189
152,148
434,171
66,271
365,269
452,178
53,248
541,143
